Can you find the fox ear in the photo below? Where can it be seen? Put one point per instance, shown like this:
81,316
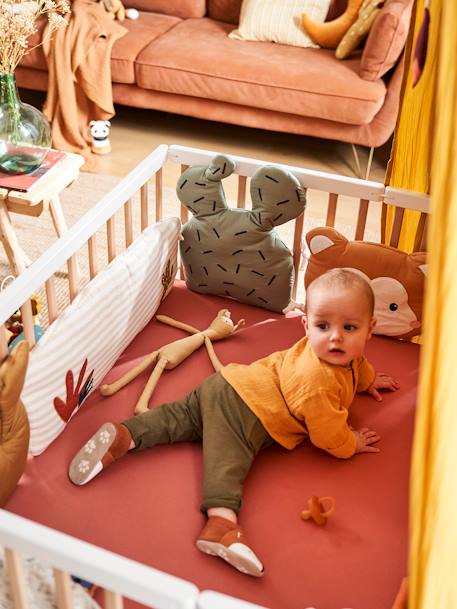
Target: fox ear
107,123
424,269
92,123
319,243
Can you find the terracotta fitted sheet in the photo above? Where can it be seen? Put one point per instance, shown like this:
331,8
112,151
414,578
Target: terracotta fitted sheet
145,507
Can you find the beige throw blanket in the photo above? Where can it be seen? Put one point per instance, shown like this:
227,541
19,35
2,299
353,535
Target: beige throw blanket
79,88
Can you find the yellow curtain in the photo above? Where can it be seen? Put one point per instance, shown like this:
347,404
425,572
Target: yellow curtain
433,546
410,162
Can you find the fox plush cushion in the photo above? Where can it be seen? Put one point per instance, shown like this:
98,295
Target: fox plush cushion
397,278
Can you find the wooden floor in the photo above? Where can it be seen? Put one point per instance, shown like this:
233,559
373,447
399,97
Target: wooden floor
135,133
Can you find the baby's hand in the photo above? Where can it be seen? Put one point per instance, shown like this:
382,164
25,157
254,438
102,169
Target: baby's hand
364,438
382,381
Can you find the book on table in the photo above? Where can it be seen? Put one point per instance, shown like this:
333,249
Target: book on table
25,181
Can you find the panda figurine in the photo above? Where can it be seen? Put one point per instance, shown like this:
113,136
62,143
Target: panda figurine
99,131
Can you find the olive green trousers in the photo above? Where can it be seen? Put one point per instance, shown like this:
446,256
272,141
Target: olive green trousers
230,433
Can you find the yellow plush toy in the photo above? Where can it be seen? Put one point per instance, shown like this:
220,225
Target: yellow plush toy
330,33
14,425
359,29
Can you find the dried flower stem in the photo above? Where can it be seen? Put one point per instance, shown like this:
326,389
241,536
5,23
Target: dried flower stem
18,23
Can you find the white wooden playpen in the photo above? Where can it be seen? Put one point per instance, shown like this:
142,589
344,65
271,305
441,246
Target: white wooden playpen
118,576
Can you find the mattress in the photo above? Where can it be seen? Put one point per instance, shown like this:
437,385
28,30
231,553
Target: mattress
146,506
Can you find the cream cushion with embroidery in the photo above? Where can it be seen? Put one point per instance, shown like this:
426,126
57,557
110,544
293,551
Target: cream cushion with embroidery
279,20
82,345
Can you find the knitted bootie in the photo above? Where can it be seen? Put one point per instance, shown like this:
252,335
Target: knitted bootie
221,537
109,443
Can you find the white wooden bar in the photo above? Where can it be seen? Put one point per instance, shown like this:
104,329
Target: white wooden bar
159,194
128,223
111,237
73,277
361,220
331,209
51,300
215,600
127,577
113,600
27,322
3,342
16,577
93,257
309,178
241,197
296,251
407,199
64,596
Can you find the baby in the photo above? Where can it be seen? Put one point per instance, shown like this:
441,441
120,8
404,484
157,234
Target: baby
304,391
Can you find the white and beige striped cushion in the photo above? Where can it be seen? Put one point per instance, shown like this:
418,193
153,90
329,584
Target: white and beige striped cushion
102,320
279,20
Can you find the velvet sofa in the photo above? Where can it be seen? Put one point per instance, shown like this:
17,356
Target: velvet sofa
177,57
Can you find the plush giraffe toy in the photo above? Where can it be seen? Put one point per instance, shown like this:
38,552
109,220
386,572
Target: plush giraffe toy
171,355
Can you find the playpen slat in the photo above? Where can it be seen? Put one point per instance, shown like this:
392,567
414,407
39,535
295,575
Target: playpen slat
128,223
184,212
51,299
64,597
331,209
3,342
93,258
361,219
144,206
159,194
396,227
73,277
113,600
17,579
241,197
298,230
420,241
27,322
110,233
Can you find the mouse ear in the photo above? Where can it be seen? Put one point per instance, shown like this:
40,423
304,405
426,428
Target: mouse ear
220,167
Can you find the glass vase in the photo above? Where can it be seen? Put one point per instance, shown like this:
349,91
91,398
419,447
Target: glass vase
25,133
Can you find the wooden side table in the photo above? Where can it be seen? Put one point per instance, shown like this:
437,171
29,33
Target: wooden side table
43,195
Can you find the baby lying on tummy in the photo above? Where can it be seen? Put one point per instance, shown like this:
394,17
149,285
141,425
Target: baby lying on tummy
304,391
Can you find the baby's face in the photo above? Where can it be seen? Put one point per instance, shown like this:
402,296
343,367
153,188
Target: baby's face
338,324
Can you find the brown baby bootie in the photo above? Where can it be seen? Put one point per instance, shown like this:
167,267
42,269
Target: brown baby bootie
221,537
109,443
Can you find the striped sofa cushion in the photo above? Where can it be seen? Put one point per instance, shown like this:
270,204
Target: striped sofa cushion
279,20
81,346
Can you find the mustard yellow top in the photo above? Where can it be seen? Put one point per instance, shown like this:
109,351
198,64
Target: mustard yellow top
296,395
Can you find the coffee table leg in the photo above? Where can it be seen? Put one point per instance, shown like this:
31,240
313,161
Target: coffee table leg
60,224
14,252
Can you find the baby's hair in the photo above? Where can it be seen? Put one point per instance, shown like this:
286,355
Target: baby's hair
342,278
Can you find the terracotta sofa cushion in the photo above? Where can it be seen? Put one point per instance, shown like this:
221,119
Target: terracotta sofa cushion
225,10
229,10
141,33
196,58
386,39
184,9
